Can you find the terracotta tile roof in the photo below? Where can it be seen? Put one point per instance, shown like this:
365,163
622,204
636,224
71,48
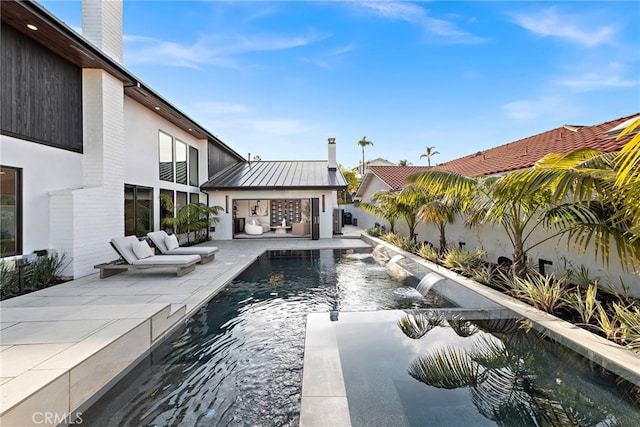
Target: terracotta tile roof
525,152
395,176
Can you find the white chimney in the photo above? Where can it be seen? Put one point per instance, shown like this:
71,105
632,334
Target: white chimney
102,26
333,165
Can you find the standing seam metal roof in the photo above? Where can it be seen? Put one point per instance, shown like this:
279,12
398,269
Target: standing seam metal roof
264,174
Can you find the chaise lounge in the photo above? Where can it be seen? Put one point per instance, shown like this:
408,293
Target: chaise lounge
138,254
168,245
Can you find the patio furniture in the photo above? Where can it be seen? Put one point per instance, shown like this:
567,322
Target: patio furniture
168,245
252,228
301,228
279,229
138,254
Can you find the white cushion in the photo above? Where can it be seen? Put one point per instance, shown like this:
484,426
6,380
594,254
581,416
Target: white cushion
171,242
142,249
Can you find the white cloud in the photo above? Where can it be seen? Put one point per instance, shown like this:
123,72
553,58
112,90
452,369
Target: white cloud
594,81
551,23
214,50
419,16
541,107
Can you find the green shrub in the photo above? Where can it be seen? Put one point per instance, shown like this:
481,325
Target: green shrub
462,260
45,271
401,242
543,292
629,320
427,252
584,302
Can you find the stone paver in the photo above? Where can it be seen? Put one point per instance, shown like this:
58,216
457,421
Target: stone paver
61,345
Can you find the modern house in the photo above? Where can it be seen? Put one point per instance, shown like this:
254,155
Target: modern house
290,197
88,149
498,161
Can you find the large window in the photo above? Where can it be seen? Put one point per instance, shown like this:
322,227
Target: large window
138,210
193,166
178,161
165,146
181,201
10,211
181,162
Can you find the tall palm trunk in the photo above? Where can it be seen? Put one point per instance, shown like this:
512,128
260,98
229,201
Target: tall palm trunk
519,257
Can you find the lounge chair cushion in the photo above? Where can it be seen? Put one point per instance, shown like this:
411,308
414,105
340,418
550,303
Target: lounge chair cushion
158,239
171,242
141,249
123,246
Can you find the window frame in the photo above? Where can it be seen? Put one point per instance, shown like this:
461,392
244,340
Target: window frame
135,213
18,201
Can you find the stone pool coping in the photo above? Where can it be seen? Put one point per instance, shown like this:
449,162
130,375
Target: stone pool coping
62,347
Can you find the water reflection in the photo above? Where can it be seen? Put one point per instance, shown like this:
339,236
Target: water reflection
514,376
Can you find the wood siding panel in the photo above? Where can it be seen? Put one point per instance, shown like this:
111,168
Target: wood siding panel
41,93
218,159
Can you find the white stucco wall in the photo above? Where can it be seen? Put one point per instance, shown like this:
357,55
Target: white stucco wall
142,158
224,229
44,169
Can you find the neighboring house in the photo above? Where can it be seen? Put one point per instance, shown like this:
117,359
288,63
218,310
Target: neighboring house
270,191
379,178
87,148
523,153
375,162
500,160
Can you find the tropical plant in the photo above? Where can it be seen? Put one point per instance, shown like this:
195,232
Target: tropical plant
427,252
353,182
590,203
402,242
384,205
429,152
404,163
463,260
43,272
363,143
193,217
629,318
409,203
542,292
483,200
584,304
439,211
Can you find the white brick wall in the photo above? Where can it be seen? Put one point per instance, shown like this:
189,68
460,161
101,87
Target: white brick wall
102,25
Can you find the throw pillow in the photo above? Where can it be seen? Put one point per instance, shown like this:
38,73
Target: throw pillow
142,249
171,242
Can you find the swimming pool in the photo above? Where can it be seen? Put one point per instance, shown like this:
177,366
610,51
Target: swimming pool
239,359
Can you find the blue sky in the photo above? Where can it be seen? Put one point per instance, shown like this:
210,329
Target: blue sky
276,79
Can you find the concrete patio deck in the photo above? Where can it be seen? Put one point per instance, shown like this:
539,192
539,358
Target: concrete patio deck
63,346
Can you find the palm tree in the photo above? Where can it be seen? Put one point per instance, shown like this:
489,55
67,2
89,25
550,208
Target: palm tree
192,217
482,203
363,143
440,211
404,163
384,204
410,201
590,200
430,151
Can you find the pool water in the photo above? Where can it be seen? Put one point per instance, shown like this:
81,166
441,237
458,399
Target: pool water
407,359
239,359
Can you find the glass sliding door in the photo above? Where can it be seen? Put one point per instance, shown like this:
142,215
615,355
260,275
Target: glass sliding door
10,211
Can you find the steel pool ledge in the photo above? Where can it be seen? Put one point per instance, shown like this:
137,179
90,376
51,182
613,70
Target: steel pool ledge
64,346
324,396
